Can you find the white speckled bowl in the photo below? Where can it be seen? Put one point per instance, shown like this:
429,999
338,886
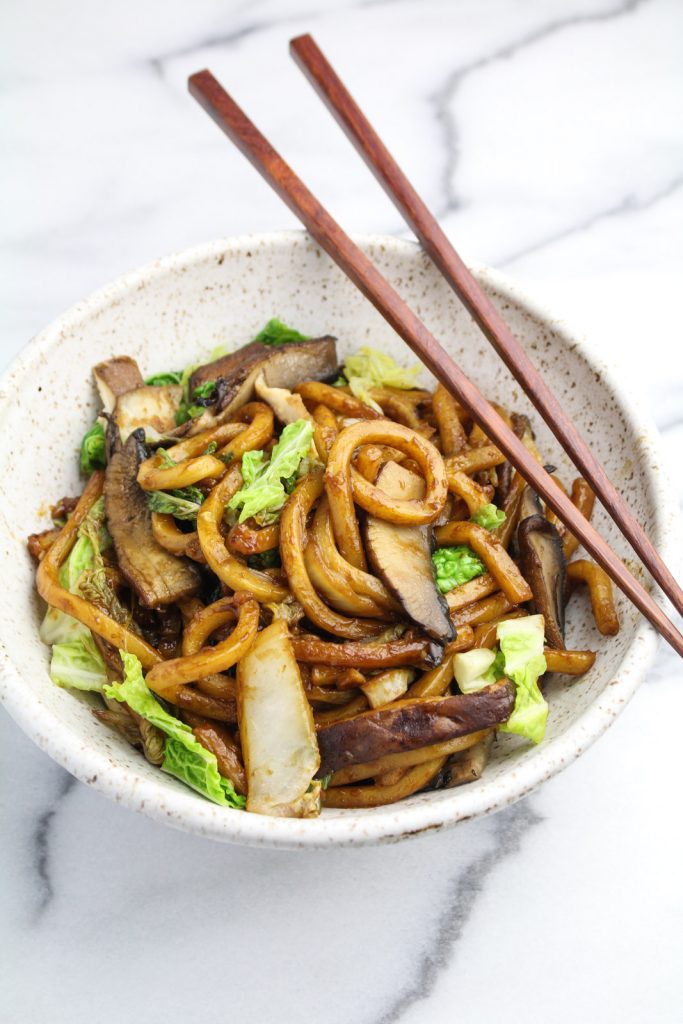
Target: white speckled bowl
172,312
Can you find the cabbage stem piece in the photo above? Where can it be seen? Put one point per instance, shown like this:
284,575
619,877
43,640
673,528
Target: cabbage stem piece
276,729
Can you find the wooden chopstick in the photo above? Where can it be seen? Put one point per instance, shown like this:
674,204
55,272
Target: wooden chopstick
436,244
356,265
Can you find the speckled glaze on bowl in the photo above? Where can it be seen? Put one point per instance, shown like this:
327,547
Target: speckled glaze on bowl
172,312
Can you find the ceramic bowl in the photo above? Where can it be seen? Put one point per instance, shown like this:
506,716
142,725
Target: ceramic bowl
174,312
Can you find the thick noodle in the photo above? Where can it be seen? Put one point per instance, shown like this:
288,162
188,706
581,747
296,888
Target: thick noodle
233,572
344,485
373,684
292,545
168,678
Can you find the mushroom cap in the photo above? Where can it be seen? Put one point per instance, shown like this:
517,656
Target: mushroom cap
544,567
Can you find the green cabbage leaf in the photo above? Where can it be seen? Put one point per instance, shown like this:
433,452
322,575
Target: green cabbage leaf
455,566
276,333
76,660
184,756
78,664
369,368
92,454
519,658
264,488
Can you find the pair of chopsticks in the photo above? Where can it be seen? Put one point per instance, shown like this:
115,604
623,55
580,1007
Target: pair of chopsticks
356,265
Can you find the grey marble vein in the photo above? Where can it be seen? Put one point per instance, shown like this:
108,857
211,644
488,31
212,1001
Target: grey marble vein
226,39
223,40
628,205
40,843
443,99
509,829
74,221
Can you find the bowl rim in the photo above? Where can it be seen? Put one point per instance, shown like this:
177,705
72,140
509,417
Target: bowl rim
184,809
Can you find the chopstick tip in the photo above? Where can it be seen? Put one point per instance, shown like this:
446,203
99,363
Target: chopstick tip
198,77
296,42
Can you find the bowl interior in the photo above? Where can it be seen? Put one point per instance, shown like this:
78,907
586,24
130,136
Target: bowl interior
175,312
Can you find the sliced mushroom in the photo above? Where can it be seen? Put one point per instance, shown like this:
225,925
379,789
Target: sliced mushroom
408,725
287,406
544,566
131,403
465,766
158,577
402,557
115,377
521,425
282,366
152,408
505,472
530,504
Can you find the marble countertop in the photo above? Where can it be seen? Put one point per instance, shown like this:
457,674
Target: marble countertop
547,134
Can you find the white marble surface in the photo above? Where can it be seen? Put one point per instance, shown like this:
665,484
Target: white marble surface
548,135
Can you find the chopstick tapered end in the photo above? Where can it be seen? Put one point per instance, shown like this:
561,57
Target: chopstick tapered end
197,82
297,42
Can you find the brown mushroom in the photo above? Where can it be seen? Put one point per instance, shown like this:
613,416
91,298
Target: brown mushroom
115,377
465,766
152,408
402,557
131,403
287,406
521,425
505,472
158,577
543,565
530,504
282,366
410,724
